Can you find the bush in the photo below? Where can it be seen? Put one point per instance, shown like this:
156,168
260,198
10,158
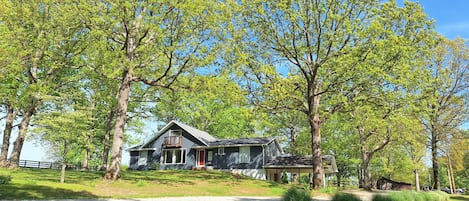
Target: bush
295,194
5,179
379,197
345,197
284,177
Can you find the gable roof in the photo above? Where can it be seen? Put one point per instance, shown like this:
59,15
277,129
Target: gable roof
202,136
241,141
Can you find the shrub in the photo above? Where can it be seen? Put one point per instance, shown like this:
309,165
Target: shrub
345,197
5,179
379,197
284,177
295,194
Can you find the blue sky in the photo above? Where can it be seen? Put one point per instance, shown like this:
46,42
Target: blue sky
451,16
451,19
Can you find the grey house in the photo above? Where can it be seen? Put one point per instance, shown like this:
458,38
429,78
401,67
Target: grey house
179,146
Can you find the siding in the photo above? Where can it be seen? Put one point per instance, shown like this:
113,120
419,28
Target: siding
231,159
154,156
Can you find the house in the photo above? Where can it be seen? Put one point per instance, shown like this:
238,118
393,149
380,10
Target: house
179,146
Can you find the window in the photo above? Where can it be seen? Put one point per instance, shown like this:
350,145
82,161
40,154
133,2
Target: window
209,156
142,158
244,155
174,156
221,150
175,132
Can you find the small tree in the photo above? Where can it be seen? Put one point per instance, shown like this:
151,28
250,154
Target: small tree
62,131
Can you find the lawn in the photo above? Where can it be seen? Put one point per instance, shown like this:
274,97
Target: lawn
44,184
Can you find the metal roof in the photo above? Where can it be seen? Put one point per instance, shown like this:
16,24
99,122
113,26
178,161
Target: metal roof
241,141
301,162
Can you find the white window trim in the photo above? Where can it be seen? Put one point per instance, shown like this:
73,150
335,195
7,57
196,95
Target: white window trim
176,132
209,156
173,157
142,157
221,151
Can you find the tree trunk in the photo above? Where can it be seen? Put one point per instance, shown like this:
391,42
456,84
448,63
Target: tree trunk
339,179
293,136
86,158
18,146
366,180
107,136
64,163
417,182
113,172
11,115
436,177
315,124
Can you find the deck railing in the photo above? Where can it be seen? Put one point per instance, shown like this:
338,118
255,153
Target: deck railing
172,141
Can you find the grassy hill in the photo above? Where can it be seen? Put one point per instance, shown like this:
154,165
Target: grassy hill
44,184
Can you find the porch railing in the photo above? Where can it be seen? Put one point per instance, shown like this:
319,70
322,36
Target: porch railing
172,141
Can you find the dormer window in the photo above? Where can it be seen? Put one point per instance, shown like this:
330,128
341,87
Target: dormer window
175,132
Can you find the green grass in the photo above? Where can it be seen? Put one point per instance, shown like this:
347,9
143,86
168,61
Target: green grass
44,184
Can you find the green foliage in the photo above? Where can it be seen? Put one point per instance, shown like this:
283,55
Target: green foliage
379,197
345,197
284,177
5,179
295,194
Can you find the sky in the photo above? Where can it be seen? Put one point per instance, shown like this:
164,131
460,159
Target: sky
450,16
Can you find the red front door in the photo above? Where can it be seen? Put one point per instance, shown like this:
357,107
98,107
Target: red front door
201,158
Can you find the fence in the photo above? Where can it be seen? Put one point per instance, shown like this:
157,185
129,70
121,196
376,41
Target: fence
51,165
39,164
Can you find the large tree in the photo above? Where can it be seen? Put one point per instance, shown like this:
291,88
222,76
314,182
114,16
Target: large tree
46,38
448,107
150,42
213,103
311,56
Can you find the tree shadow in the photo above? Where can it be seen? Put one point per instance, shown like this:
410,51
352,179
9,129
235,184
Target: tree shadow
27,191
459,198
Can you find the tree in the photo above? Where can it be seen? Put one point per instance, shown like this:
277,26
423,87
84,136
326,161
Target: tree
151,43
50,130
447,109
310,56
213,103
47,38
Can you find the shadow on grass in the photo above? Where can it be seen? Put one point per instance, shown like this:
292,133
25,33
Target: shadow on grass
459,198
52,175
26,191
